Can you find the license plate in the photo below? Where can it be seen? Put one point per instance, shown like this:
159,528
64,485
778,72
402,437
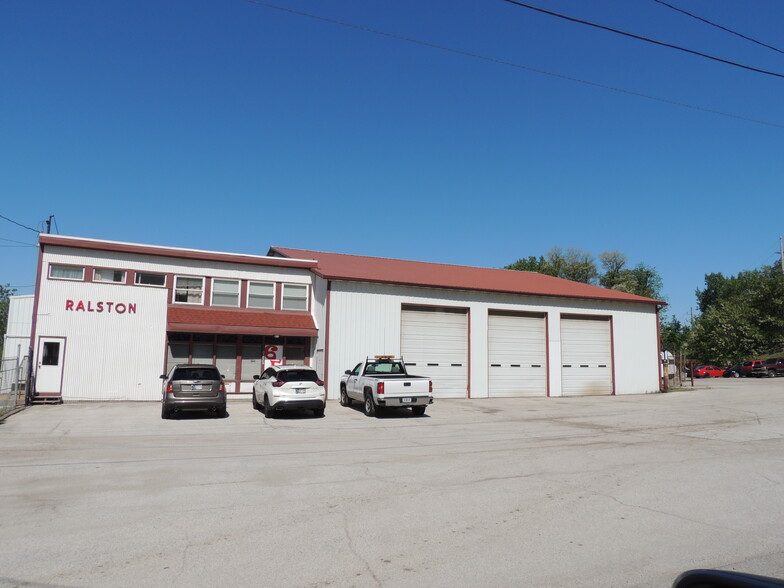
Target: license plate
195,386
299,390
405,400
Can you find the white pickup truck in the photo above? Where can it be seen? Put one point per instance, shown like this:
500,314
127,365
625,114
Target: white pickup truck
382,381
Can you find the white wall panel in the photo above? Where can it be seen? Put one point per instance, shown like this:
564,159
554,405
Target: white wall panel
109,355
364,320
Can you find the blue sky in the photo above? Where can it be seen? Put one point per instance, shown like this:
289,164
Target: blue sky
228,125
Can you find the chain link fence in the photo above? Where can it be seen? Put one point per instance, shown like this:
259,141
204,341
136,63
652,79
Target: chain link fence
13,374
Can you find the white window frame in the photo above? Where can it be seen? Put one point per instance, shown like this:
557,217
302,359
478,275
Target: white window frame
283,297
54,265
138,283
247,300
174,290
212,293
109,269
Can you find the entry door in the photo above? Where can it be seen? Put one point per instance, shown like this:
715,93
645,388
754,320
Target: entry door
49,372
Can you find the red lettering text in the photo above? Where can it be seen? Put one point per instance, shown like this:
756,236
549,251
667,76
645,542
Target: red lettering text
69,305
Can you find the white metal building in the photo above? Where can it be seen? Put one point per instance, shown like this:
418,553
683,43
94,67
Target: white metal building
110,317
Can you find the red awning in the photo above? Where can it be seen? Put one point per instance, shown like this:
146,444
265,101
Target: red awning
240,322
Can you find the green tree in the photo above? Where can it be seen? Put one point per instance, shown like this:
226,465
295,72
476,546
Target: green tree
532,264
5,293
571,263
674,335
742,316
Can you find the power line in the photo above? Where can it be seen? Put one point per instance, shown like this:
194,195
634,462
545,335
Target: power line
20,242
641,38
513,64
19,224
718,26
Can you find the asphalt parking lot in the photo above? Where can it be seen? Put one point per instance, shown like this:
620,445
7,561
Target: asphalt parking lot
602,491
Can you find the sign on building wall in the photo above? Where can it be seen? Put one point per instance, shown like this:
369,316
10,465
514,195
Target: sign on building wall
273,355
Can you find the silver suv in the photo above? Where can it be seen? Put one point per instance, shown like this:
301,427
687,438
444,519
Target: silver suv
193,386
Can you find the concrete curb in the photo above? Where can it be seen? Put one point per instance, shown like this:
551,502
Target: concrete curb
11,412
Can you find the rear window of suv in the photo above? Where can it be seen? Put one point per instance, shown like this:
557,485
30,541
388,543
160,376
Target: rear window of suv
192,373
297,376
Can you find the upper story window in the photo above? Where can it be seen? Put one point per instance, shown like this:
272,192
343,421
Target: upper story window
261,295
109,275
225,292
150,279
295,297
188,290
66,272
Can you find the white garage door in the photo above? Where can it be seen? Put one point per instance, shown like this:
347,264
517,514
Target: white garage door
517,354
586,356
434,343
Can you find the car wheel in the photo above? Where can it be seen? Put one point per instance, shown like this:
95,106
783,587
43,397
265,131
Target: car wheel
344,399
418,410
771,373
256,405
318,412
221,412
268,412
164,412
735,375
370,406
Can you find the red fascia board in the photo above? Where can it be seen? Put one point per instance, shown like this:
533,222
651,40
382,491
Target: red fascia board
114,246
338,266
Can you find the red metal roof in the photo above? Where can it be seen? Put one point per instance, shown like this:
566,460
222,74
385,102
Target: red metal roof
339,266
247,322
177,252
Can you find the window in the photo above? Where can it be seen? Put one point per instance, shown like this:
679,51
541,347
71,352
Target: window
261,295
295,297
109,275
148,279
51,355
225,292
188,290
66,272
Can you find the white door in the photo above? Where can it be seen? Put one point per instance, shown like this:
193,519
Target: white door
49,371
434,343
586,355
517,355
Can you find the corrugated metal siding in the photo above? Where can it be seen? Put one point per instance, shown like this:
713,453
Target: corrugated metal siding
365,319
517,356
110,356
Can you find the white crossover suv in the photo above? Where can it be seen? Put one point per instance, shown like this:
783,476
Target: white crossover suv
289,387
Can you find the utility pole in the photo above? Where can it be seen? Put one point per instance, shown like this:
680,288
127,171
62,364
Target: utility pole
781,250
49,224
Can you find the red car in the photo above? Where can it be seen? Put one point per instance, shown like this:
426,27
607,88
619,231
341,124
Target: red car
708,371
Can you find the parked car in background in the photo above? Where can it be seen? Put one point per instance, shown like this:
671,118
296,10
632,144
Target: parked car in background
289,387
193,387
708,371
770,367
732,372
748,366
